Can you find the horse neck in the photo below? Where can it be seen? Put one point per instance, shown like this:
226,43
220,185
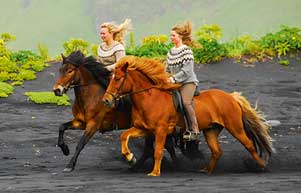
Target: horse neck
87,86
140,82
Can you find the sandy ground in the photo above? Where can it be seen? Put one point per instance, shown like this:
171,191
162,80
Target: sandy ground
31,162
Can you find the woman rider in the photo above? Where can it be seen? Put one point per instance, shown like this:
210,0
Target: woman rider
180,64
112,48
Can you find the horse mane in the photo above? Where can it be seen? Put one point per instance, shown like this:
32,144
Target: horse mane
98,71
152,69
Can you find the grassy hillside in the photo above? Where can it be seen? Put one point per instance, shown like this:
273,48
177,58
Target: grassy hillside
52,22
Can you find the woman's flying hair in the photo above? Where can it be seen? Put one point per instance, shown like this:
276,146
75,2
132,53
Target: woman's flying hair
185,32
118,30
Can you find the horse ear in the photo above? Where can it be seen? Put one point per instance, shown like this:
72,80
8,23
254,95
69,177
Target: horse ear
125,67
64,58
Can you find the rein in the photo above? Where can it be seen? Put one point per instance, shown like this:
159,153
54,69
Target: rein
118,96
134,92
80,85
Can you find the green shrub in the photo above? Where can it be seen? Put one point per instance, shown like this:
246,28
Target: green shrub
43,50
76,44
286,40
7,37
209,51
5,89
37,65
207,48
4,76
47,98
284,62
154,46
209,32
24,56
26,74
94,48
6,65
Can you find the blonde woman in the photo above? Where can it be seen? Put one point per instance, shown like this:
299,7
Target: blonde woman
180,63
112,48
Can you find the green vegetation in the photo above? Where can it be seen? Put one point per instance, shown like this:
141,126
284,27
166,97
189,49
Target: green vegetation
154,46
208,47
76,28
5,89
283,41
47,98
52,22
15,67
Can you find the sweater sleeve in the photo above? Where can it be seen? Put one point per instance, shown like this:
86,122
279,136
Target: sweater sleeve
118,54
185,72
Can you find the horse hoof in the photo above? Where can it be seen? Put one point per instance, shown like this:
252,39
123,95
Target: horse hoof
153,174
67,170
132,162
65,149
204,170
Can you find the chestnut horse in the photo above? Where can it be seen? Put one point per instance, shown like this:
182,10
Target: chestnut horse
153,112
90,80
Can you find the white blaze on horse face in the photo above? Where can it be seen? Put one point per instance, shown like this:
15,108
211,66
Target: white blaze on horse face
113,76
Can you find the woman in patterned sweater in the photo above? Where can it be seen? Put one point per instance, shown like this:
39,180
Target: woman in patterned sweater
112,48
180,63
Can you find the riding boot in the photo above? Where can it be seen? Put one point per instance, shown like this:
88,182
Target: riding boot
193,133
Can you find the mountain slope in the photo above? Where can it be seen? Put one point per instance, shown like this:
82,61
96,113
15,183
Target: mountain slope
52,22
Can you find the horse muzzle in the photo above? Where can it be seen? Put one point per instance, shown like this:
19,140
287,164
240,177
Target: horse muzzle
109,103
59,90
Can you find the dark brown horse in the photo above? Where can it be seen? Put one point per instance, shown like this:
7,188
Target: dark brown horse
89,79
154,113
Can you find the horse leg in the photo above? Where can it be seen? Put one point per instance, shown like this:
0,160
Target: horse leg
160,139
89,132
242,137
211,136
124,139
148,152
169,145
63,127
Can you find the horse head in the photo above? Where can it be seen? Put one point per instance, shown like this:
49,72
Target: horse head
69,75
118,86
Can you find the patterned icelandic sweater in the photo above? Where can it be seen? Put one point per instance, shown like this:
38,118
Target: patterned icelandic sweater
110,55
180,64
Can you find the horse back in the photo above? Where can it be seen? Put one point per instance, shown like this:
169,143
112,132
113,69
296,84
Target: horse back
216,106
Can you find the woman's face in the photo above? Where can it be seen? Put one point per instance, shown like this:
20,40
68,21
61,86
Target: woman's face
105,34
175,37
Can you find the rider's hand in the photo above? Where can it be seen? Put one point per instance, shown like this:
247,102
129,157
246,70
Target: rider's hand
171,80
110,68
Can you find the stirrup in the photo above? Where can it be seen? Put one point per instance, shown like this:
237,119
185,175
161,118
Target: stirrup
191,136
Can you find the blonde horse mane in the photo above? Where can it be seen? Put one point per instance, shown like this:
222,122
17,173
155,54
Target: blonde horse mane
153,69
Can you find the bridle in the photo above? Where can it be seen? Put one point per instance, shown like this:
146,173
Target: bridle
72,85
116,97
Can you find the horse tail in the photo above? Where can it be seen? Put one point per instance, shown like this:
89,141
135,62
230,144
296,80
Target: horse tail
255,126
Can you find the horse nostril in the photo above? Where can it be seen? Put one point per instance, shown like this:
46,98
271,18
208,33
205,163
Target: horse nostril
57,92
106,102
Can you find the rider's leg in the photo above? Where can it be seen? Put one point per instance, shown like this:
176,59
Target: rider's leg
187,92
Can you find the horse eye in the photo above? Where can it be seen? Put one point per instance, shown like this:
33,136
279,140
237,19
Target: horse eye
70,71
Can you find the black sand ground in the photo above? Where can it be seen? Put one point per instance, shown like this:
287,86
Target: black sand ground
31,162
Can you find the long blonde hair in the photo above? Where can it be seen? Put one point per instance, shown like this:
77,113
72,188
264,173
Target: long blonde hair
185,32
118,30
